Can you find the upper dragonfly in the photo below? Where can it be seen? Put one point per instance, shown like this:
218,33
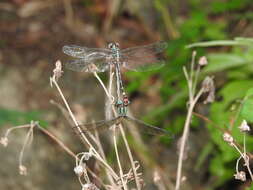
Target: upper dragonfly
140,58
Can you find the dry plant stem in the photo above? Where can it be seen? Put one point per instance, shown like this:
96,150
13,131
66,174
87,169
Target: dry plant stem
94,138
191,80
102,84
195,82
80,131
69,12
126,144
28,136
244,143
129,154
182,146
184,138
130,157
245,158
248,167
100,148
114,134
54,138
118,160
113,7
17,127
108,109
66,115
64,147
128,148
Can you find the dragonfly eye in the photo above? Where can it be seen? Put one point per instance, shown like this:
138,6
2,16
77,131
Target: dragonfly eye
116,45
110,45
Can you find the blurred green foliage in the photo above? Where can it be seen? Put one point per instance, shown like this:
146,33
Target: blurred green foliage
236,102
250,188
14,117
247,106
230,61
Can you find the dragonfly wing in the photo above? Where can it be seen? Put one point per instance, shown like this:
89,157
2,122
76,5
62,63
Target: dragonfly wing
99,125
84,65
144,58
84,52
149,129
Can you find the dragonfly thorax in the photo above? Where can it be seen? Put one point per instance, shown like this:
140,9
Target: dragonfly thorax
114,47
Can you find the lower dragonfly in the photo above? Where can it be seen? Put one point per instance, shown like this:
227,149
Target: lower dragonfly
142,58
122,116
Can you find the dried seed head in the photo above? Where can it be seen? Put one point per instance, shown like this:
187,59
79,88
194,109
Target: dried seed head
210,98
228,138
57,70
240,176
208,87
203,61
89,186
87,155
22,170
244,126
79,170
4,141
157,177
208,84
194,53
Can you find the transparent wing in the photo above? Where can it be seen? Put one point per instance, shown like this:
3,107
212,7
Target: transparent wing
149,129
84,65
144,58
99,125
84,52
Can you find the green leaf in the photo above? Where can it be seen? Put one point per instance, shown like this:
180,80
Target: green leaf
223,61
234,90
203,155
236,42
218,168
247,107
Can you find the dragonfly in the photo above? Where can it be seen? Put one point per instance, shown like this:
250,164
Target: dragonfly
122,116
140,58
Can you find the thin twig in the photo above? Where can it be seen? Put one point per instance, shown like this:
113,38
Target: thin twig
192,102
118,159
55,139
96,154
29,134
67,149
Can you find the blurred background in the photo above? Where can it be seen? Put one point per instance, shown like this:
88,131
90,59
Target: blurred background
32,34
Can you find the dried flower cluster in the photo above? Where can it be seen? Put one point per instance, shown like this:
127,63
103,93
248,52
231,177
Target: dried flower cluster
240,176
22,170
208,87
244,127
4,141
228,138
203,61
89,186
57,70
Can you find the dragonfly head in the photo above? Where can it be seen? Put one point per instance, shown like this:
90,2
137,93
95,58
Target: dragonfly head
113,46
